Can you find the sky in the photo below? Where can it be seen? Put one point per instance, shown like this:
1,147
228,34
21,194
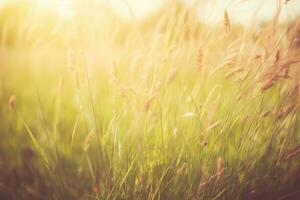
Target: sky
244,11
211,11
208,11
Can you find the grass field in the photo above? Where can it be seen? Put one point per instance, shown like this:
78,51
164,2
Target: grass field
95,107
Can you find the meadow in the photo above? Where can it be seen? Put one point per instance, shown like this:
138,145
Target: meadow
97,107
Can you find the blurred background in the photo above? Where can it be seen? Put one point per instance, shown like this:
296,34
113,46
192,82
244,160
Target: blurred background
242,11
157,99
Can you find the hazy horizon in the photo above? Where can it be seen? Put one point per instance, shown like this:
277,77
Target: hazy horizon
210,12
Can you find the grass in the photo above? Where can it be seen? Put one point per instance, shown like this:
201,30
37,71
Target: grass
167,108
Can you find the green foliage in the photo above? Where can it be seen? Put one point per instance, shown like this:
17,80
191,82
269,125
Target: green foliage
143,118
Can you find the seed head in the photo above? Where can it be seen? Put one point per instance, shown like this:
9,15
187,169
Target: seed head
11,103
227,25
220,167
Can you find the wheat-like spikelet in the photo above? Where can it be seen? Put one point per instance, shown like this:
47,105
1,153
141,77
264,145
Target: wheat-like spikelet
226,22
11,103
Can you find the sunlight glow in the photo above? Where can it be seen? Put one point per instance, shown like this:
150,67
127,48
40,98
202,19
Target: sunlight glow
210,12
63,8
149,99
244,12
135,8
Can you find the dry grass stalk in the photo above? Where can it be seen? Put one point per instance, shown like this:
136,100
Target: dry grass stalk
268,84
277,56
220,167
226,22
73,132
257,56
148,103
88,140
265,114
214,125
283,112
11,103
183,170
276,18
294,92
172,76
236,71
278,71
200,58
216,176
292,154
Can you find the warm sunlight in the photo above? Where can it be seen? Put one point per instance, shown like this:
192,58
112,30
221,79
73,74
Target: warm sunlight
149,100
135,8
64,8
245,11
241,11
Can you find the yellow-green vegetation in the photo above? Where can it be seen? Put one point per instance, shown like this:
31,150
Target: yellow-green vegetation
95,107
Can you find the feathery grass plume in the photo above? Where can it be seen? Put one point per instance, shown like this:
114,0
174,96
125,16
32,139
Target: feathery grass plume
183,170
171,76
239,97
11,103
245,120
277,71
220,168
267,85
291,154
234,72
204,143
226,22
148,103
215,177
283,112
88,140
265,114
257,56
277,56
294,92
200,57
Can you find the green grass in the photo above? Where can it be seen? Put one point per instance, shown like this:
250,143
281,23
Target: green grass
170,112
